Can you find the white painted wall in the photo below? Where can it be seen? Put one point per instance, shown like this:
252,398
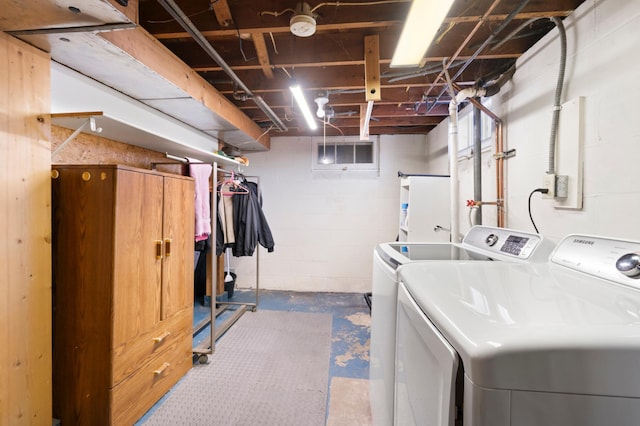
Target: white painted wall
326,225
602,67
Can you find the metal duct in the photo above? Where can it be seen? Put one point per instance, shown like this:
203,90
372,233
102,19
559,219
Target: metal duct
188,26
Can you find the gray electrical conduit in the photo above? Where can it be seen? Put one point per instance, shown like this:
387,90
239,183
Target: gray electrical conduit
186,23
556,102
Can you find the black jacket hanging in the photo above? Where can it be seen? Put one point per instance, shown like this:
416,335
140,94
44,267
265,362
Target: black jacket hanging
250,224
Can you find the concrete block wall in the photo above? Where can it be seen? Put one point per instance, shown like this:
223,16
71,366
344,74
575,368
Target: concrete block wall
602,67
326,224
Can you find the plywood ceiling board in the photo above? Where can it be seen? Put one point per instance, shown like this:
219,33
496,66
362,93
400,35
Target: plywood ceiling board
91,55
19,14
149,51
192,112
240,140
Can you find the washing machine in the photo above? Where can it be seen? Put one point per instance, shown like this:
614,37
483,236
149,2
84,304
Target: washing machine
522,344
481,243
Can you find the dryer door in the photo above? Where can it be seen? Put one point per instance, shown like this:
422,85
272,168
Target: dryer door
383,340
426,369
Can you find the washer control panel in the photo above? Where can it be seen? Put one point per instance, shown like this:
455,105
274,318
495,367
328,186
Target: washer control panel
503,242
616,260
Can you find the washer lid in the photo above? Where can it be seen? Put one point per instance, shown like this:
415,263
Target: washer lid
536,327
396,254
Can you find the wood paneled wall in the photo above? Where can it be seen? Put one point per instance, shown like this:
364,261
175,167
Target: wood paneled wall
25,246
87,148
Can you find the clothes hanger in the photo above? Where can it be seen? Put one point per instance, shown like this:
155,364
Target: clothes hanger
235,187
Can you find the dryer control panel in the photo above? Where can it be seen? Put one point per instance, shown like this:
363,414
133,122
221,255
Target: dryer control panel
608,258
507,243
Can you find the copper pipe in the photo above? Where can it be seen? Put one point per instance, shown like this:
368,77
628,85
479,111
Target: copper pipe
500,173
499,160
487,203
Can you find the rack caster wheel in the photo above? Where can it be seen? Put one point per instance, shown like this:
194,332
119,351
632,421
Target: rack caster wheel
203,359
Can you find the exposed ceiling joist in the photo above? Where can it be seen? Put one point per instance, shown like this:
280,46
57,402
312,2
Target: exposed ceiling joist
262,53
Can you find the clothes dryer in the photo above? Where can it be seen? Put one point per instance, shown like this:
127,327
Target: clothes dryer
481,243
522,344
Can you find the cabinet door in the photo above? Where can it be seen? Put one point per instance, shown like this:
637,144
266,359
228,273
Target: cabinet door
178,232
137,254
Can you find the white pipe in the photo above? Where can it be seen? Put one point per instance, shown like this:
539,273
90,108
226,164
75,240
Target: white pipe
453,156
469,92
453,168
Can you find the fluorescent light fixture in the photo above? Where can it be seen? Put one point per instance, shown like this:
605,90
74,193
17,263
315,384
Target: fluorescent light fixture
304,107
420,28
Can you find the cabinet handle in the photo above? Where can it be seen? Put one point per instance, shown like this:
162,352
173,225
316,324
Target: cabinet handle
158,249
160,370
163,336
167,247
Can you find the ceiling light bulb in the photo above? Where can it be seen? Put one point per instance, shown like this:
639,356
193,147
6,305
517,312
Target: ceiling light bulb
321,101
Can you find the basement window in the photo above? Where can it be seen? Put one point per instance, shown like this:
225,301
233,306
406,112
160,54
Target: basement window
345,153
465,130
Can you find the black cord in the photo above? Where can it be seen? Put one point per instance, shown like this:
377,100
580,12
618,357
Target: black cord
543,191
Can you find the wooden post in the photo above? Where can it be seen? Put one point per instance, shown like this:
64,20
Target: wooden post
372,67
25,265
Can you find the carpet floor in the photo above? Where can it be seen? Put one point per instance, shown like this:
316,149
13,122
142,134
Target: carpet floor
258,374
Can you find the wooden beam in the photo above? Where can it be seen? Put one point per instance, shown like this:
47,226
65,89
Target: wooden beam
354,131
263,54
143,47
368,25
223,13
372,67
86,114
343,122
348,63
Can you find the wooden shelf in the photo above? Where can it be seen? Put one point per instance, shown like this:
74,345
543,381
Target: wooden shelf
118,130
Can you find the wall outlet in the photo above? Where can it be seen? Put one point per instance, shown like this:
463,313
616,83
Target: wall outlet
549,183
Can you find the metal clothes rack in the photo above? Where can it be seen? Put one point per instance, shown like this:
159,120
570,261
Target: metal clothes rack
223,306
207,346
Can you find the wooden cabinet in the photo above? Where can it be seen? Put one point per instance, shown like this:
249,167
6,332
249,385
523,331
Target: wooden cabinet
123,290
